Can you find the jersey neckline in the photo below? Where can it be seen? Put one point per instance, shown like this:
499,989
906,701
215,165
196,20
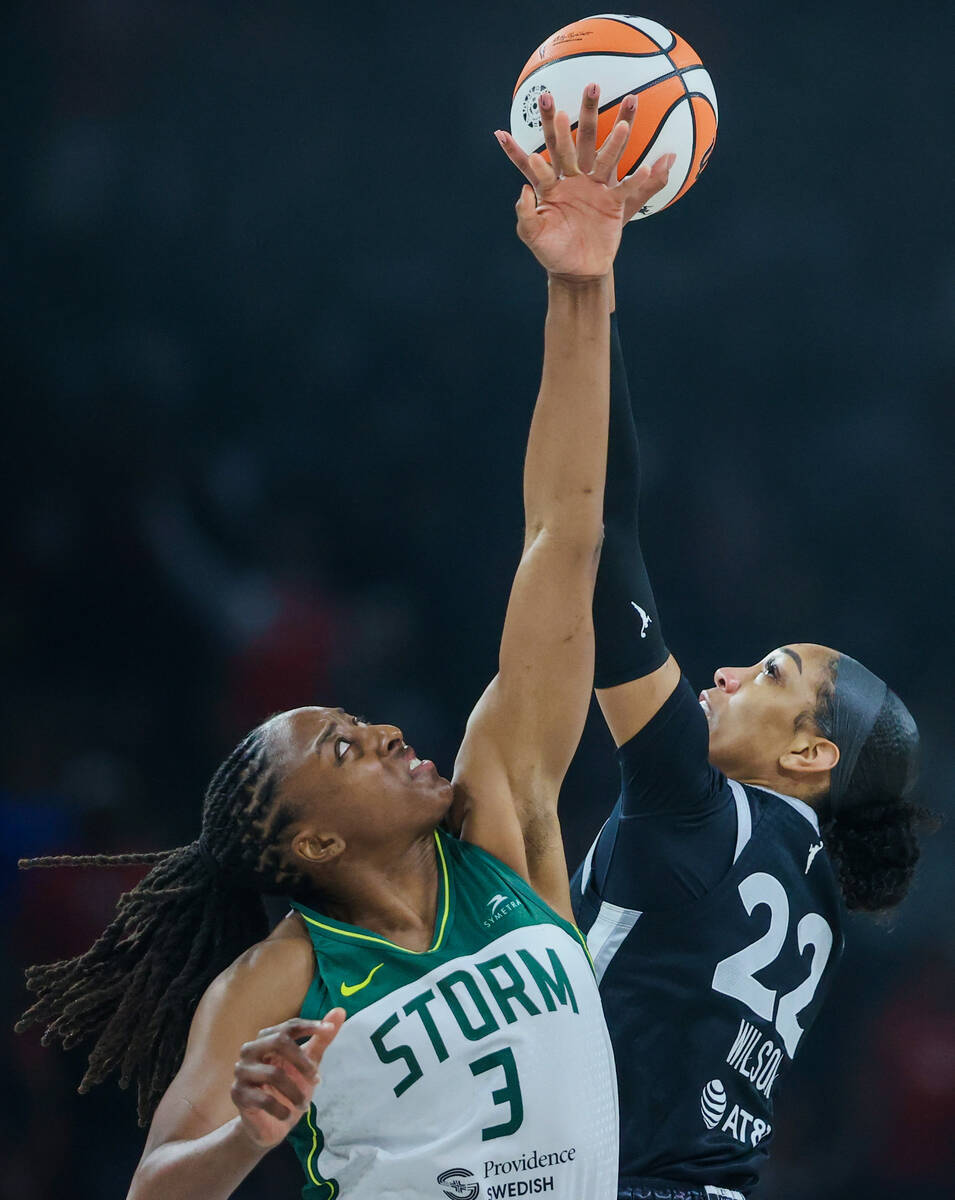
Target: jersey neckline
357,933
800,806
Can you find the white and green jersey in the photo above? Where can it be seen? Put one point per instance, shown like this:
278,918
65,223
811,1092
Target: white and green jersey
475,1070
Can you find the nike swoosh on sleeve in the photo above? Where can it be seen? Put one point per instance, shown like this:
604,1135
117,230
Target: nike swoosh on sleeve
349,989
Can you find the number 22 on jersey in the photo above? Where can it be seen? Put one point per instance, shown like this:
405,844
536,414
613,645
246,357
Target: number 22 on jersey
736,975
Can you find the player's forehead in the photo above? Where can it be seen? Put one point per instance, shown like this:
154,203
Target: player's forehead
292,733
804,660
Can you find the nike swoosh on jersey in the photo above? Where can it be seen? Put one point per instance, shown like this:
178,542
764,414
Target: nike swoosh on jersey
349,989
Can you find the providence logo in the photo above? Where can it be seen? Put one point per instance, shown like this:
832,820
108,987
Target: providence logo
459,1184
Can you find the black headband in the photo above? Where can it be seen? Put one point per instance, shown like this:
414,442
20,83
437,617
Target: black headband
859,696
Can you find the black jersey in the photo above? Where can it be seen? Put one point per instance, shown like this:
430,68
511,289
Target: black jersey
708,993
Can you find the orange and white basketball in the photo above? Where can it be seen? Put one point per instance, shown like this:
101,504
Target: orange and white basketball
676,100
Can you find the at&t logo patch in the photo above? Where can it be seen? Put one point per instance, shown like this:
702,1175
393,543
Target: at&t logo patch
713,1103
459,1184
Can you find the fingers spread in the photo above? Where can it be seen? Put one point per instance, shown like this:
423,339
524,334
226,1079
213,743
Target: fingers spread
611,151
548,111
542,174
566,152
645,183
587,128
514,153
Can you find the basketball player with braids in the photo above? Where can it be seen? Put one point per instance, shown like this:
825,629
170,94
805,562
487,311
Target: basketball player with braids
712,898
440,983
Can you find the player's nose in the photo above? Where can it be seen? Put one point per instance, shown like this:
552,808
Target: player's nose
390,739
727,679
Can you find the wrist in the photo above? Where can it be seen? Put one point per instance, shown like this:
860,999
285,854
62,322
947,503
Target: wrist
245,1137
578,282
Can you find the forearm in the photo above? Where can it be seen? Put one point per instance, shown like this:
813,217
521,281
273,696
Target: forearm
211,1167
629,641
566,458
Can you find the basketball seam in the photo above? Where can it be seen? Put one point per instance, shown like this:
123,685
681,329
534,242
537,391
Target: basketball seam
680,189
656,133
592,54
645,87
645,34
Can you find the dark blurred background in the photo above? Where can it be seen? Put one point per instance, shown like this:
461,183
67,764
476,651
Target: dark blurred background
270,349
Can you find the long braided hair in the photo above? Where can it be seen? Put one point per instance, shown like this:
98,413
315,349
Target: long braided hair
133,993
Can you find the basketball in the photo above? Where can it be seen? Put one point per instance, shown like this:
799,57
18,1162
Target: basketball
676,108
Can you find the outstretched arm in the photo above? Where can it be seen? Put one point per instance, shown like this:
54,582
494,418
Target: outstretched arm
524,730
634,672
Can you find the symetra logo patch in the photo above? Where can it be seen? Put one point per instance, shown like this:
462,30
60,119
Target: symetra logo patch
499,906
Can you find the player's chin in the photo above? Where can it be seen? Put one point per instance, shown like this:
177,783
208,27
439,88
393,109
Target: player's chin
428,786
715,752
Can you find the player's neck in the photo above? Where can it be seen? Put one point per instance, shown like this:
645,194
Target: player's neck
396,899
786,785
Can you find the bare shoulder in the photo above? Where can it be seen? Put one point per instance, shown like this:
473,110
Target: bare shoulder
275,973
264,986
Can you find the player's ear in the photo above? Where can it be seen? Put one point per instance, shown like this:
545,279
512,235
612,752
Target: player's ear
809,754
318,848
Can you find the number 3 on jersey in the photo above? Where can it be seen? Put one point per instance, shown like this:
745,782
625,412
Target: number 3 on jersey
509,1094
735,975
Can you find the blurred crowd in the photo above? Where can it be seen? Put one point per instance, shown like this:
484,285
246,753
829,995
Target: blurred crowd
270,351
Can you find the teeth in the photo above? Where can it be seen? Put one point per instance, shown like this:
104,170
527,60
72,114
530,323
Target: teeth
415,762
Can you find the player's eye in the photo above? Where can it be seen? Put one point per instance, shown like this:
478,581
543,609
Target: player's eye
359,720
339,752
771,668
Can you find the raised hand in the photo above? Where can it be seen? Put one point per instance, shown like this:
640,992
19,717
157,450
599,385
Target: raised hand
275,1077
573,219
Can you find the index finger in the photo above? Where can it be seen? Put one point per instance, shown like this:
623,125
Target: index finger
515,154
316,1045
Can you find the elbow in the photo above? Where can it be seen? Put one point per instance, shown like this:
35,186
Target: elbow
147,1182
581,543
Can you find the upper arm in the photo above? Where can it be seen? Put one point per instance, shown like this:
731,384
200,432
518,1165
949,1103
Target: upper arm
665,767
630,706
672,836
524,730
263,987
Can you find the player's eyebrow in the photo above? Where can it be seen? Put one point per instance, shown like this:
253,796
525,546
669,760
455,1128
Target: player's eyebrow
794,656
326,732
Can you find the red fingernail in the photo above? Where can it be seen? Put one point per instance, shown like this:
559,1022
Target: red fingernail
592,90
545,100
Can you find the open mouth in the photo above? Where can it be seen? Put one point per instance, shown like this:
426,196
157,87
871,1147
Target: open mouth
705,705
415,764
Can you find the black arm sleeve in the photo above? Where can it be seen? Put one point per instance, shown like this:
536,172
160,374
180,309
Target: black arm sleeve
672,835
629,640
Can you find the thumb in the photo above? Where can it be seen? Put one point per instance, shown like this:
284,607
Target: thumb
319,1042
528,219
